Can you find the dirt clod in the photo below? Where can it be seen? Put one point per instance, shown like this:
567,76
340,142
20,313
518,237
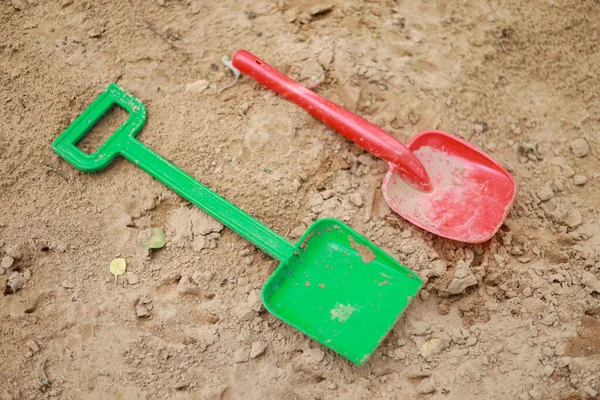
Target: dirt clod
258,349
580,147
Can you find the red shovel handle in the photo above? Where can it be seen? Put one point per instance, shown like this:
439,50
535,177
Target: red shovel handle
368,136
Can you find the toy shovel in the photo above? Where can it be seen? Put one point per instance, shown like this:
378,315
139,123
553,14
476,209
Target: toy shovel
333,284
438,182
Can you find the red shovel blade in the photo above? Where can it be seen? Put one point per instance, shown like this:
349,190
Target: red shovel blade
472,194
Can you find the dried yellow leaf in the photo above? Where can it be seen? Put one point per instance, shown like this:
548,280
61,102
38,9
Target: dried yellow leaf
118,266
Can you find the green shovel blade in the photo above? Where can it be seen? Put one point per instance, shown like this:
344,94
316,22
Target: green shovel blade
340,289
333,285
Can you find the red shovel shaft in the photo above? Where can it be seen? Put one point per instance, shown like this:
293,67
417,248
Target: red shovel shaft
368,136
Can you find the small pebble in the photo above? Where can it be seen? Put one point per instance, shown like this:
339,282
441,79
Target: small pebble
258,348
580,147
14,252
19,4
332,386
425,387
416,36
142,310
241,355
68,284
357,199
16,281
545,193
255,301
131,278
7,262
33,346
580,180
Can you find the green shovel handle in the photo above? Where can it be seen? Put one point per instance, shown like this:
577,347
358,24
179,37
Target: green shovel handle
123,143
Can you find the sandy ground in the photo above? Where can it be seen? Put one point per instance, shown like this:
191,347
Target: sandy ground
517,317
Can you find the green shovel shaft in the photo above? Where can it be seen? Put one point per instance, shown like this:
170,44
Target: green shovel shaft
213,204
123,143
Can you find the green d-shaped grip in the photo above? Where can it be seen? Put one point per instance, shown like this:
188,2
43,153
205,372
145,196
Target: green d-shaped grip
118,142
123,143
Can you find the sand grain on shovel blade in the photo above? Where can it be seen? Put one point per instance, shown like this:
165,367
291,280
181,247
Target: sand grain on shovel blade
365,252
342,312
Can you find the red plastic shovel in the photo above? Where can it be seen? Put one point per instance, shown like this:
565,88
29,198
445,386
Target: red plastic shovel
438,182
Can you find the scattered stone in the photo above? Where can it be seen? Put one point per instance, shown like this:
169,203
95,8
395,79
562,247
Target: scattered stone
357,199
143,307
548,319
326,58
416,36
255,301
6,264
563,362
548,370
68,284
203,336
204,224
187,286
438,268
197,87
131,278
65,3
244,313
463,278
142,311
202,277
241,355
573,218
16,281
33,346
214,307
398,354
580,180
258,348
332,386
297,232
580,147
14,252
590,281
425,387
19,5
471,341
432,347
94,32
545,193
315,354
460,336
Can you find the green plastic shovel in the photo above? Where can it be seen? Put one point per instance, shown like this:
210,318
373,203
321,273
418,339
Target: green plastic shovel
333,284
